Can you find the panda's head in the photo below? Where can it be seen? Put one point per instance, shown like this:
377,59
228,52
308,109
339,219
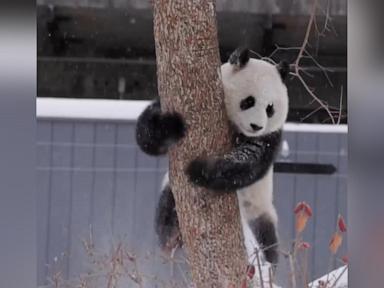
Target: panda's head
256,97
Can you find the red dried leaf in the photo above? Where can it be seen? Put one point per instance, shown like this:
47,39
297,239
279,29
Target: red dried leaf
341,224
251,271
304,245
308,209
304,207
335,242
299,207
301,221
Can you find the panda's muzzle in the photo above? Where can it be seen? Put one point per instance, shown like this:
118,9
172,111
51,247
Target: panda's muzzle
255,127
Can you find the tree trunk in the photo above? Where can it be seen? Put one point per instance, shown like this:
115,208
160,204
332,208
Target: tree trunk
188,64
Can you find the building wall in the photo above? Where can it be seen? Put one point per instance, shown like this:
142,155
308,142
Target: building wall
93,177
263,6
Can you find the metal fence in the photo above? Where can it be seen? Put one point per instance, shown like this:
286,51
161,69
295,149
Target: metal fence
91,175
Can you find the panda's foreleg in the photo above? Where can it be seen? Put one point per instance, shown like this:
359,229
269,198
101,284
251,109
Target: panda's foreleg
241,167
166,221
156,131
219,174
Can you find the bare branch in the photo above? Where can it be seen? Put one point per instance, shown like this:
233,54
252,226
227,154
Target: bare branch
340,106
302,53
306,37
259,269
311,113
257,54
322,68
318,100
338,277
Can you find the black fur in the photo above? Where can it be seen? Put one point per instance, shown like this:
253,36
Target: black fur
166,221
283,68
156,131
239,57
265,234
247,163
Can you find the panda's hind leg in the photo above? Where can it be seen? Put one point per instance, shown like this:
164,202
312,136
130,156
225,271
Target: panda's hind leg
265,232
166,221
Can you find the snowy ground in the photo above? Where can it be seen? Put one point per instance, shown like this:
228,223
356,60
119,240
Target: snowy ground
338,277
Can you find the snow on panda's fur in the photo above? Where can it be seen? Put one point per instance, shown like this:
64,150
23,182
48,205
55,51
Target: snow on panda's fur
257,106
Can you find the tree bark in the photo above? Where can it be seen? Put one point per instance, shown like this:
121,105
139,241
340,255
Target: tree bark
188,73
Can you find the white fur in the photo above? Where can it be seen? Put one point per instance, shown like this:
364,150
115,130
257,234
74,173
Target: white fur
258,198
260,79
165,181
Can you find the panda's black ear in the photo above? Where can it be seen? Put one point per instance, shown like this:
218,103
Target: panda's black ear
239,57
283,68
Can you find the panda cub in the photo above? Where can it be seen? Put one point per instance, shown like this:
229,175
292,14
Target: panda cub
256,102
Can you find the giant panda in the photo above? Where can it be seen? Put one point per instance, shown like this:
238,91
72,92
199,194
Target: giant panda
256,102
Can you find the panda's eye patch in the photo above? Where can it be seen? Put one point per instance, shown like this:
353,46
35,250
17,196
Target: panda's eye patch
247,103
270,110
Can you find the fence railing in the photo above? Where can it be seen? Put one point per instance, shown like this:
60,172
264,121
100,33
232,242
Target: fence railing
93,177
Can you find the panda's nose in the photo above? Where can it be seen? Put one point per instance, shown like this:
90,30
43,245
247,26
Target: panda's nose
255,127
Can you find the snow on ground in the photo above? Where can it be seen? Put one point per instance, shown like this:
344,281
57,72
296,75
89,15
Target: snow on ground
340,275
250,245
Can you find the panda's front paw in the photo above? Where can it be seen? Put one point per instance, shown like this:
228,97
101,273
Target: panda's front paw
198,172
174,125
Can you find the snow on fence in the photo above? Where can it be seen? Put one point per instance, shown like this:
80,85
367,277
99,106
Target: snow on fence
92,176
